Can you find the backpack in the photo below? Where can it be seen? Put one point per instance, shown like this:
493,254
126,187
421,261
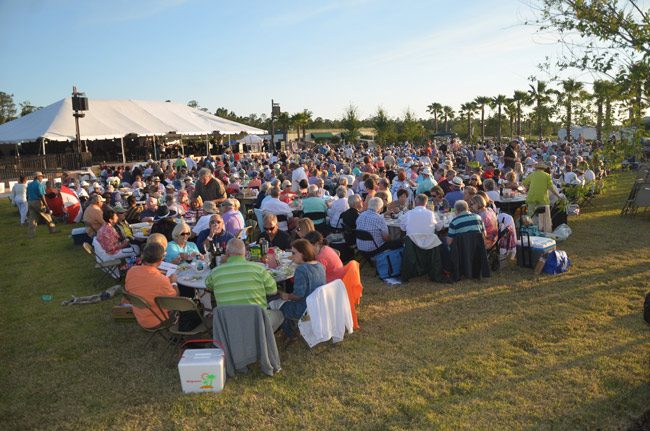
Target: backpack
389,263
557,262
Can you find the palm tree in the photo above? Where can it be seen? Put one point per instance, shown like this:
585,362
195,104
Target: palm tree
435,109
285,122
539,94
511,111
297,121
306,119
632,82
571,89
469,108
498,102
448,112
481,102
520,97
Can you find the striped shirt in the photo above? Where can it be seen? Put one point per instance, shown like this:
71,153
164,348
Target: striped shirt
464,223
238,282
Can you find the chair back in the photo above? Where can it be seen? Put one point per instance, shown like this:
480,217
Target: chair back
329,313
317,216
259,215
364,235
140,302
351,278
176,303
245,232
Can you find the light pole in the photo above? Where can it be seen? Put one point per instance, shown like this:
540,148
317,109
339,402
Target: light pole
275,113
79,104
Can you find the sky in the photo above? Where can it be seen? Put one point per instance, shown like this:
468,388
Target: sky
316,55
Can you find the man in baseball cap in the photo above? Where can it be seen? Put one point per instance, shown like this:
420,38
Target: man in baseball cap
37,205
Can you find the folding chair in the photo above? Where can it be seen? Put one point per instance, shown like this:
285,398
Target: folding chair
494,255
108,267
245,232
322,226
259,215
139,302
363,235
177,305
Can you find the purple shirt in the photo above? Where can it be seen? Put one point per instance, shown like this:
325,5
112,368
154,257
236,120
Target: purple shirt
233,222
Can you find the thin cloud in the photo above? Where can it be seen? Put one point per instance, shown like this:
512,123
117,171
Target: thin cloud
128,10
306,13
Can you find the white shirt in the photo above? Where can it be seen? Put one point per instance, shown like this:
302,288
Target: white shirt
277,207
571,178
191,164
420,225
338,207
297,175
329,314
202,223
589,175
19,193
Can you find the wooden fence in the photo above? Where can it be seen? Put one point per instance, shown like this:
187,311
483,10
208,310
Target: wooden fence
49,164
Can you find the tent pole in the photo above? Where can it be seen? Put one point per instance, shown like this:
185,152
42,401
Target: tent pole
207,146
44,158
155,153
123,153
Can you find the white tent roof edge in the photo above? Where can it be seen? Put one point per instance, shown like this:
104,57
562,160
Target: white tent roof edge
114,119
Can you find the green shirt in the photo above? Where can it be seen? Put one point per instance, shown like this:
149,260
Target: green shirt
314,205
239,282
538,183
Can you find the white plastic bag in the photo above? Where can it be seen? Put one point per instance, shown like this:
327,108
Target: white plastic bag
562,232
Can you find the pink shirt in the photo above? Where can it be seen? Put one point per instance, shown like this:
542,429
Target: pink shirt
332,263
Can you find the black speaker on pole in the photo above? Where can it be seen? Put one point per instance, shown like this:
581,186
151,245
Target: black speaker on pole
79,103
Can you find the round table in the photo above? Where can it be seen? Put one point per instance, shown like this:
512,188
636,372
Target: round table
189,276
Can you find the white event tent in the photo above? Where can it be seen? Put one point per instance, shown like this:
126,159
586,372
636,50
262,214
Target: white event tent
114,119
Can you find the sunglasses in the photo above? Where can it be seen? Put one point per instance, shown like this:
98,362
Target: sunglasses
269,227
185,234
216,222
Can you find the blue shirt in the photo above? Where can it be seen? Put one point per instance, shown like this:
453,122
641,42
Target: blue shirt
218,239
454,196
35,190
174,250
307,278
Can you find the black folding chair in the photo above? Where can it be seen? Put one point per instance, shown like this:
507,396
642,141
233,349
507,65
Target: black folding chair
322,226
363,235
494,254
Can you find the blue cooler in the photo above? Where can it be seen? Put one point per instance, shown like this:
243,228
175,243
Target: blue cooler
535,248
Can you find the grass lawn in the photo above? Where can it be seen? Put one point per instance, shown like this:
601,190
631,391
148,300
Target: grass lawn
515,351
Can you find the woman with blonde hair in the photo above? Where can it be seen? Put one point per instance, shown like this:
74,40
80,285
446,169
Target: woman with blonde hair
478,205
304,226
180,248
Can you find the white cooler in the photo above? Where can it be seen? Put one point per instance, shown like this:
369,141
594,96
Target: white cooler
202,370
539,245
